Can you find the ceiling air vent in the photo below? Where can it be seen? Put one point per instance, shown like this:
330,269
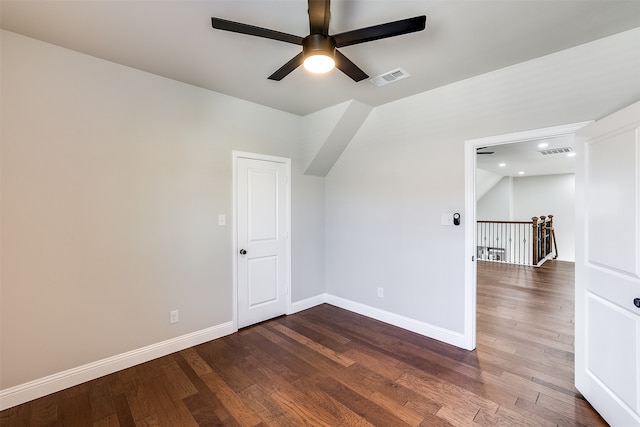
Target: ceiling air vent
390,77
556,151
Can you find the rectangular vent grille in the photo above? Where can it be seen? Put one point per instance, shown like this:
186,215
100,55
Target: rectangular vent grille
390,77
555,151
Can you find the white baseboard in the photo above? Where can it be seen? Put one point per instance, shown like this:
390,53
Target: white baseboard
445,335
50,384
426,329
43,386
307,303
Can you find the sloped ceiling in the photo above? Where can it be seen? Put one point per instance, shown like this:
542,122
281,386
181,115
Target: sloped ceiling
174,38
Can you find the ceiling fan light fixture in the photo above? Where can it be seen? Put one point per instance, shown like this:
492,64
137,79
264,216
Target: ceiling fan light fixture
319,63
319,53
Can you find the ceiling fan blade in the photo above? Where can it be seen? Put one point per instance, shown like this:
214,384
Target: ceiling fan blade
283,71
237,27
319,16
483,152
382,31
349,68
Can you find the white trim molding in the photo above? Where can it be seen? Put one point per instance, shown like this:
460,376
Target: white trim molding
426,329
50,384
307,303
470,209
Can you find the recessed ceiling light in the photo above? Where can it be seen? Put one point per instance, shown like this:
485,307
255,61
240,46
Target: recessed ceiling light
521,173
543,145
572,154
502,165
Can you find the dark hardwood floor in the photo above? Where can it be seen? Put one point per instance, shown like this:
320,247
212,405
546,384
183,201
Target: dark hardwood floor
329,367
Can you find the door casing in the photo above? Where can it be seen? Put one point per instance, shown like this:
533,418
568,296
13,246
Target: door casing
469,335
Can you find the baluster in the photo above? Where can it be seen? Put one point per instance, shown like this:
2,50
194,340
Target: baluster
542,245
534,242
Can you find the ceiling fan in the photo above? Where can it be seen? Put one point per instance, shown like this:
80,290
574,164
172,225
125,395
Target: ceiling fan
483,152
319,49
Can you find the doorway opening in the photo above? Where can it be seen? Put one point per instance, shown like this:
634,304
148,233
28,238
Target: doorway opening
472,147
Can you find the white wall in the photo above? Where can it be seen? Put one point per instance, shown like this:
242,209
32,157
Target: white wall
549,194
112,180
520,198
485,181
497,203
386,194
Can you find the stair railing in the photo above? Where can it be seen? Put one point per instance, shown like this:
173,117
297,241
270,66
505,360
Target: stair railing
517,242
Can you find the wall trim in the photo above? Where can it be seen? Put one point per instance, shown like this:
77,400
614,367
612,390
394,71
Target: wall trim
470,287
307,303
50,384
430,331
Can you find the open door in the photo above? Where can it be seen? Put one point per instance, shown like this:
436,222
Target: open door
607,348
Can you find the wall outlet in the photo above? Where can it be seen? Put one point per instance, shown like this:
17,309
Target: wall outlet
174,316
380,293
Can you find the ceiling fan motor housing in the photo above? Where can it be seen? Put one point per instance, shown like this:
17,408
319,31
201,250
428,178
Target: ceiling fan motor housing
318,44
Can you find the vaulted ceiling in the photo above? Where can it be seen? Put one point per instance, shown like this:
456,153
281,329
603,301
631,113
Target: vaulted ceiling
174,39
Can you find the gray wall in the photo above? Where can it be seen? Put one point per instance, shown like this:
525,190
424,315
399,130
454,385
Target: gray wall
112,183
386,194
112,180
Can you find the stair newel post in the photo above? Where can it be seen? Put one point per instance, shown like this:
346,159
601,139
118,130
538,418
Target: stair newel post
552,235
534,239
542,243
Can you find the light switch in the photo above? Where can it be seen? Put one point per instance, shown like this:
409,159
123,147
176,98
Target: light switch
222,219
446,219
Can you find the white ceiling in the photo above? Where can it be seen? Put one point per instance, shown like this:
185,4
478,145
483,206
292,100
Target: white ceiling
525,157
174,38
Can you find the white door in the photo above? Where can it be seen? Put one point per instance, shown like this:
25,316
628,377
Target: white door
262,197
607,350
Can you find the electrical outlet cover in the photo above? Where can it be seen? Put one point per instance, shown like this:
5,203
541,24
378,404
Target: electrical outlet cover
174,316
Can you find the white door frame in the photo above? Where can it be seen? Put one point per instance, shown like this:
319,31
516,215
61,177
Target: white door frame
470,209
245,155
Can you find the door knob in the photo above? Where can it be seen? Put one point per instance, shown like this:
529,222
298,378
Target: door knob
243,252
636,302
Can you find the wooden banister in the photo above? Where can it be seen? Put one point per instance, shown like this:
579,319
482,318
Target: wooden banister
534,239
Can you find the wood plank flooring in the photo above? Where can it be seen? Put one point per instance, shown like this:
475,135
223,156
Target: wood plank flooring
328,367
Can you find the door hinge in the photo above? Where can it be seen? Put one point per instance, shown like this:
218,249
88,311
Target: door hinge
473,258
